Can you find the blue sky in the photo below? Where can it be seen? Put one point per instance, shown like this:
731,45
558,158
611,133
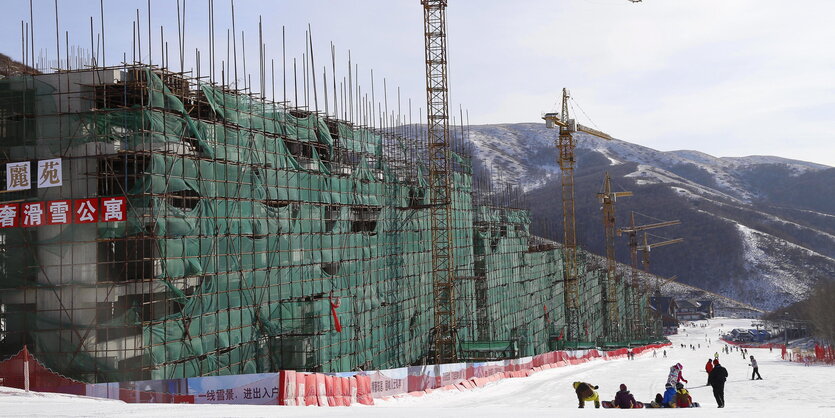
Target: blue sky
729,78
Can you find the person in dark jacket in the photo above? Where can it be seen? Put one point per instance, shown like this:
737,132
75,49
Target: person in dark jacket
624,399
669,400
586,392
717,379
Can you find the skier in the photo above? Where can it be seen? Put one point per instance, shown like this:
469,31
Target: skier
675,375
669,396
624,399
717,379
708,368
716,355
586,392
683,398
665,353
654,353
756,369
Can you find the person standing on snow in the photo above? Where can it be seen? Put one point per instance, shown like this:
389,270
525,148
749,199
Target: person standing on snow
586,392
756,369
717,379
716,355
624,399
708,368
675,375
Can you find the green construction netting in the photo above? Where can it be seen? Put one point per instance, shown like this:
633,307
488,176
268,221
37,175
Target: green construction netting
242,229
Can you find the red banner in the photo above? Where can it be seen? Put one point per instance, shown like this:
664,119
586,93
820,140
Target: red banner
63,212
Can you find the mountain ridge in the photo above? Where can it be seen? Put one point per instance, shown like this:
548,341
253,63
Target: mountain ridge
759,229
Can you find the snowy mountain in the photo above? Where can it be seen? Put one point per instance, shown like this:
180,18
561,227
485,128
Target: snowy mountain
759,229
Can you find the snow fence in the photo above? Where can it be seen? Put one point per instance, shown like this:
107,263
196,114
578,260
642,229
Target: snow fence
301,388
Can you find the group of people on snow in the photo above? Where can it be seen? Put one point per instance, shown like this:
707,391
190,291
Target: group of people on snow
675,394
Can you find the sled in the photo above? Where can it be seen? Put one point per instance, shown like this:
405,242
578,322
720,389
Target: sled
609,404
647,405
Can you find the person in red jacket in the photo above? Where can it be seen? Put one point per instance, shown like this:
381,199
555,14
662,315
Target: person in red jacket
709,367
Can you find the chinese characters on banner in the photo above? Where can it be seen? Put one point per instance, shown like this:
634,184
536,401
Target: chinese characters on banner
18,175
62,212
49,173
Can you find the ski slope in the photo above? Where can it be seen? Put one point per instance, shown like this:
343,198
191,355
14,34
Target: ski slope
787,389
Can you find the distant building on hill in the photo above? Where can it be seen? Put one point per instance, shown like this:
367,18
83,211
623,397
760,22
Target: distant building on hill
668,309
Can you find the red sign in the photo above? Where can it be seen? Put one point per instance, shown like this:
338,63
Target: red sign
63,212
85,211
58,212
9,215
32,214
113,209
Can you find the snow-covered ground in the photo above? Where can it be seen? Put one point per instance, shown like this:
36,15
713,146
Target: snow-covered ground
788,389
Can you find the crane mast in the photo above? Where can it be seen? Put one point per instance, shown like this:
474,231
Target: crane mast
438,147
565,149
611,325
632,230
565,146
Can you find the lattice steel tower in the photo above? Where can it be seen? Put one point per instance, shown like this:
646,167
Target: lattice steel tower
611,326
565,146
438,146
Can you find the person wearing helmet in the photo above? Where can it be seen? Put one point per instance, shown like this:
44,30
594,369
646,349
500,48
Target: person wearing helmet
586,393
675,375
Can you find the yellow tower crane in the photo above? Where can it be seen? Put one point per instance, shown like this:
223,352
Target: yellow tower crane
646,247
565,147
632,230
611,324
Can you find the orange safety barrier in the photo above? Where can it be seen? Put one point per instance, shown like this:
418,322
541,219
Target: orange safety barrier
364,390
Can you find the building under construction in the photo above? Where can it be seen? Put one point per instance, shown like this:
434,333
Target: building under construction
194,229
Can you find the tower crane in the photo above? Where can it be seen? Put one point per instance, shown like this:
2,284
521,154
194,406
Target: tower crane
440,208
632,231
646,247
565,147
607,197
